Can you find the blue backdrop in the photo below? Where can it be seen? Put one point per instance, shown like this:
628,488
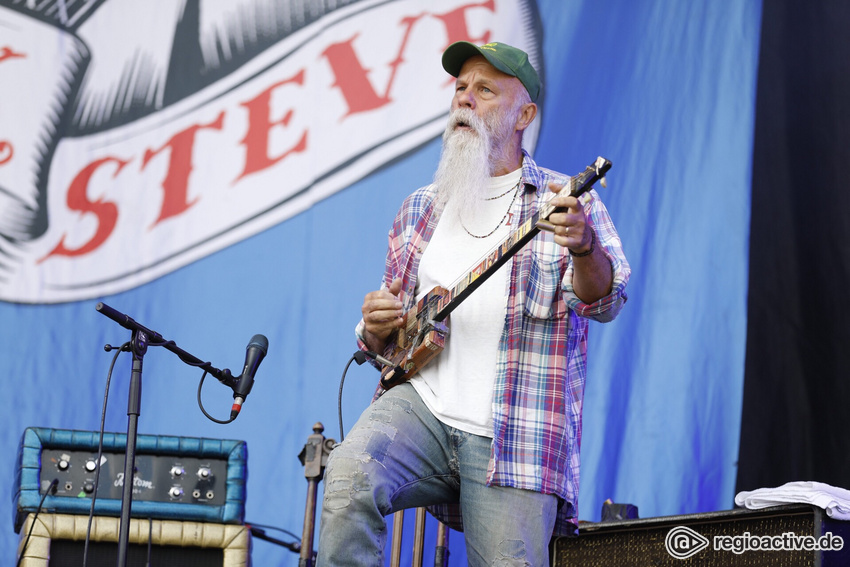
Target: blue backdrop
664,89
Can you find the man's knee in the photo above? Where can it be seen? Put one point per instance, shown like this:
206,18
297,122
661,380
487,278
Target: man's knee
355,467
511,553
346,479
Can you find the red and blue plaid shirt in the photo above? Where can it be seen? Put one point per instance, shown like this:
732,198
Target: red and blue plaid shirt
542,365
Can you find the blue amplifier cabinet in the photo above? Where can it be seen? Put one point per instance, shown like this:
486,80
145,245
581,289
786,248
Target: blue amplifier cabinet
177,478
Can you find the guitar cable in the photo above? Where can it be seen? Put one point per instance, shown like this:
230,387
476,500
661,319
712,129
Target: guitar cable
359,357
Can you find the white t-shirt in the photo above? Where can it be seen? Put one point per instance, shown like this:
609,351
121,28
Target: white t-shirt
457,385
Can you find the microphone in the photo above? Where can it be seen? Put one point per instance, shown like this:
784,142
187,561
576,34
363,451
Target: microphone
254,354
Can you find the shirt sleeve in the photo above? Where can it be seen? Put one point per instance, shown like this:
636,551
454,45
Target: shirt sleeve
606,308
385,282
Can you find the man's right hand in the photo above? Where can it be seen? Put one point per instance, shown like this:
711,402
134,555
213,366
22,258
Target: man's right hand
382,311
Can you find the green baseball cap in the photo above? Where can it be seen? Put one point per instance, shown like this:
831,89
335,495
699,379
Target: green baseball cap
503,57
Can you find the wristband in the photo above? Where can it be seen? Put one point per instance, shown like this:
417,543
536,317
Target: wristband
589,251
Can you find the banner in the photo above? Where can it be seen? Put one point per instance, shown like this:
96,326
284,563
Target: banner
97,201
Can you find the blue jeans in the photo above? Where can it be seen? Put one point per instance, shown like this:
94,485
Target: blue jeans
397,456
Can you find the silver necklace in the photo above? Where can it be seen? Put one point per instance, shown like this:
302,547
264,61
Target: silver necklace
504,218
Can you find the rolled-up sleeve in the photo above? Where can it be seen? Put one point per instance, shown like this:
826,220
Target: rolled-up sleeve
608,307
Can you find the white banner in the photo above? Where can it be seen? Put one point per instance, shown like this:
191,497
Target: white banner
108,210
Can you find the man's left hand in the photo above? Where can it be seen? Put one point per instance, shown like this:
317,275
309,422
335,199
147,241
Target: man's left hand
571,228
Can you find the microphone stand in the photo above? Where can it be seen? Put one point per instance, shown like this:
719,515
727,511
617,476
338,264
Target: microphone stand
314,457
142,338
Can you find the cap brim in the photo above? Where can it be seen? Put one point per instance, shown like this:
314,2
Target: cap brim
457,54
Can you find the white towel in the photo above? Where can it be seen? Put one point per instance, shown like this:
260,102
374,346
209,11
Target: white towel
836,501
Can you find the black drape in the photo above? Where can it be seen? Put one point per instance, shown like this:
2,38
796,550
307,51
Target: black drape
796,411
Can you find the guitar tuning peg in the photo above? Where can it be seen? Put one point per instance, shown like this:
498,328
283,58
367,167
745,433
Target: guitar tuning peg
604,182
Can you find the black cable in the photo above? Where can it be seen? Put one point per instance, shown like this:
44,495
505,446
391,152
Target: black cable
119,350
150,538
259,533
201,404
183,358
360,358
268,527
50,489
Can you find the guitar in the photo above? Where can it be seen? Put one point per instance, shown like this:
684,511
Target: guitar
424,329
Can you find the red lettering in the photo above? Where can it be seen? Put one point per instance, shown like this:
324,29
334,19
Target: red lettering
7,53
457,28
352,78
176,183
6,152
256,140
105,211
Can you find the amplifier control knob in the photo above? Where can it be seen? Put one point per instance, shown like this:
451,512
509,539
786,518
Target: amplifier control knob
88,487
175,492
90,466
204,473
63,465
178,471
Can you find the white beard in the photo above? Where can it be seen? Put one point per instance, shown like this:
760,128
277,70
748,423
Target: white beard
468,158
464,171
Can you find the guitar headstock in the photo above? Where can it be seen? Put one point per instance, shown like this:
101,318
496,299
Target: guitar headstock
579,185
594,172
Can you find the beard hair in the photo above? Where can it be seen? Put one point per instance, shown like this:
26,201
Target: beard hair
469,156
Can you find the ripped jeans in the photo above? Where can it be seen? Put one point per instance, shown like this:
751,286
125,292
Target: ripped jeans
397,456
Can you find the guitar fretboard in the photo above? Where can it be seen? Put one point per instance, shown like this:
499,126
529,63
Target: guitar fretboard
503,251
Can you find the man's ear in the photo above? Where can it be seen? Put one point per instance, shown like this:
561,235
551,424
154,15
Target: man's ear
526,116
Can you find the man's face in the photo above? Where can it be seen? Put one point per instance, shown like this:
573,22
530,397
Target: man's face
487,92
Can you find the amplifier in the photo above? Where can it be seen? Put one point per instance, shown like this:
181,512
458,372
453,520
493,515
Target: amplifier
58,540
781,536
178,478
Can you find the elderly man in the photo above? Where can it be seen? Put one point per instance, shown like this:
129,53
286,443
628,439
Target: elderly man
488,433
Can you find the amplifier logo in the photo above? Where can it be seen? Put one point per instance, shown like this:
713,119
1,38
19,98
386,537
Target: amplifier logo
146,139
683,542
138,483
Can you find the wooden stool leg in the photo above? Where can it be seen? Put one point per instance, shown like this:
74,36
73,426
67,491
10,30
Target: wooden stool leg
395,549
441,553
419,538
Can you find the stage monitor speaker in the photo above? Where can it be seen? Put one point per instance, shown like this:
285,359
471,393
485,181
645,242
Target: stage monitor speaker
729,539
58,540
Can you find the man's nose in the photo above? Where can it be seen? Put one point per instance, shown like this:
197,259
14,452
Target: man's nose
465,99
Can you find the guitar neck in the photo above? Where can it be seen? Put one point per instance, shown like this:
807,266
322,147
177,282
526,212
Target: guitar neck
497,258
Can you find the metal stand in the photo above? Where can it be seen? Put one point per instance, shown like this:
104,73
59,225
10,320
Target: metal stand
314,457
142,337
134,404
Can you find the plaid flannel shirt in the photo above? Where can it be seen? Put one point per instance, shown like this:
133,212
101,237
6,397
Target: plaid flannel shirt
542,365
